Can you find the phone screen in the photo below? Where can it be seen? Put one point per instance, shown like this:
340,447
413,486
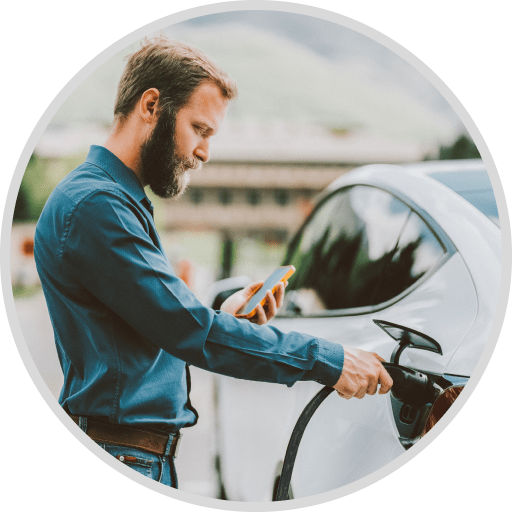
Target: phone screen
269,284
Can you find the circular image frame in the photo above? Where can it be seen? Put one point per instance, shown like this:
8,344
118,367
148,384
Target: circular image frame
310,11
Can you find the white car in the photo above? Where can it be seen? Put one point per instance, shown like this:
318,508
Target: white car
414,250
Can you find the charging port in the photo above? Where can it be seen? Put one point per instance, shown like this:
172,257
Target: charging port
408,414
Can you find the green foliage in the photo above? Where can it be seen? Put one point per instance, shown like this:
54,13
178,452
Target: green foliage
462,148
22,206
40,178
24,292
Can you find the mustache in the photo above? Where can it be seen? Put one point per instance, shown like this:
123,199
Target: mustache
192,163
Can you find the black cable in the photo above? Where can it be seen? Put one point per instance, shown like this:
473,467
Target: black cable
293,444
409,386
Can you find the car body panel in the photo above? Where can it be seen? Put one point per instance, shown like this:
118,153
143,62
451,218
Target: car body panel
424,309
476,238
359,431
346,440
253,447
253,435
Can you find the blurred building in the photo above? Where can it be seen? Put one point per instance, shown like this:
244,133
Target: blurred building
260,182
263,177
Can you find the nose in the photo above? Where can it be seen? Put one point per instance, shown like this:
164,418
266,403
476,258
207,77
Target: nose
202,151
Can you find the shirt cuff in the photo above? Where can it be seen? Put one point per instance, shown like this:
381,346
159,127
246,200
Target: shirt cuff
329,364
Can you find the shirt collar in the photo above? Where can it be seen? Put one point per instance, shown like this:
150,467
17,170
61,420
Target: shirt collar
120,173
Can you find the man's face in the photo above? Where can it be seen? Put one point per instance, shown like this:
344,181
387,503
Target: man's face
182,143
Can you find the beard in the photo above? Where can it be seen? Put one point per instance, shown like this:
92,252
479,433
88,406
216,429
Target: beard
162,168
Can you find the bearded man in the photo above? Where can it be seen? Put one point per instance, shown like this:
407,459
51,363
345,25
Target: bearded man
126,328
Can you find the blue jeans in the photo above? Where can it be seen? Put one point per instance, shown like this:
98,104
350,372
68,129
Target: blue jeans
156,467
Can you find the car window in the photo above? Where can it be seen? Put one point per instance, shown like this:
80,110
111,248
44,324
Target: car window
344,249
475,187
483,200
417,252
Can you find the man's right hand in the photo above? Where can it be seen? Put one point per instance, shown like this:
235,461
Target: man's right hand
362,373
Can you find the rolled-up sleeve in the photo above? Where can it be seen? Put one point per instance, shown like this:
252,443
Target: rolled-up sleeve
108,249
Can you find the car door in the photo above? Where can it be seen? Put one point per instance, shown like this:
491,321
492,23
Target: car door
363,254
366,254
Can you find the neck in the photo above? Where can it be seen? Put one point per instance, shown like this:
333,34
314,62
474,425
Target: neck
125,144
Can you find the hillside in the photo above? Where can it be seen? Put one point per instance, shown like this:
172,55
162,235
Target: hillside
280,79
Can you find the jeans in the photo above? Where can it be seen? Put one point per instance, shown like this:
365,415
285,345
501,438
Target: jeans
156,467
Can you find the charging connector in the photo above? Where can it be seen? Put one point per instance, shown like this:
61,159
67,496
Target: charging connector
409,386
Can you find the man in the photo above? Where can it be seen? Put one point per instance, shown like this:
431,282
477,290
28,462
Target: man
125,326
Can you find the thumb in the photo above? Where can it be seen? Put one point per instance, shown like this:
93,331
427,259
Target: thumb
251,289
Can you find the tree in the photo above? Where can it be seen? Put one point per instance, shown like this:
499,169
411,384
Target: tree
462,148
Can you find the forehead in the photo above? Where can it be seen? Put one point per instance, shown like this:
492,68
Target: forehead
206,104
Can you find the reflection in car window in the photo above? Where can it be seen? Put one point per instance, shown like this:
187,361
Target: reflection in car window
362,247
344,250
417,252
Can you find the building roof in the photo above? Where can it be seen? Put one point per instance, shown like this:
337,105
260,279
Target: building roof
303,143
254,142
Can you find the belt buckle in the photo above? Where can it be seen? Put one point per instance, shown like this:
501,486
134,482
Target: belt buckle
178,443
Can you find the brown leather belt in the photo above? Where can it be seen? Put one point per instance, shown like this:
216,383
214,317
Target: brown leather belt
133,437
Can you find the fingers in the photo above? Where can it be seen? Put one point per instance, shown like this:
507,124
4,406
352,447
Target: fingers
373,384
362,373
273,301
381,359
259,317
352,392
251,289
386,382
270,305
236,302
279,295
360,393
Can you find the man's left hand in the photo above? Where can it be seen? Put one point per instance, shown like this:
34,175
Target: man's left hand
238,300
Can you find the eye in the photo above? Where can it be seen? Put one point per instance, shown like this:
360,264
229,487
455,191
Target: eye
200,130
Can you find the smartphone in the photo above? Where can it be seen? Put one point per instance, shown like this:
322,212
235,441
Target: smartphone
279,275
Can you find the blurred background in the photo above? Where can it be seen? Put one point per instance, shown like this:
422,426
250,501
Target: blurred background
315,100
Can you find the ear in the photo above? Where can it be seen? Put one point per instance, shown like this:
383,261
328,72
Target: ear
148,105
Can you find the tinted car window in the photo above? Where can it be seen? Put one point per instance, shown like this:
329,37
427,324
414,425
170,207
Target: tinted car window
418,251
484,200
362,247
344,250
475,187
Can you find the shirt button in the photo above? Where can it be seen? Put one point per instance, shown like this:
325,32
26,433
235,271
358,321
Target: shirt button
121,458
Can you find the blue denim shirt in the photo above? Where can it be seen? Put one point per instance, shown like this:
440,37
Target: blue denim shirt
125,326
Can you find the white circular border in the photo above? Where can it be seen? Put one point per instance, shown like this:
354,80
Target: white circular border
277,6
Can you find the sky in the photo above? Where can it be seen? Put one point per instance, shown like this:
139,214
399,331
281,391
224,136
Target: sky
295,68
